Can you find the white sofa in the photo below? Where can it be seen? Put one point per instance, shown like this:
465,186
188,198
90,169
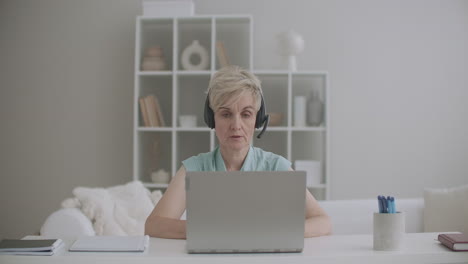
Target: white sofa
348,217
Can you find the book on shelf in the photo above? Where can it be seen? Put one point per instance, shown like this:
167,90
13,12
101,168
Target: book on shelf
455,242
144,112
223,58
151,111
27,246
159,112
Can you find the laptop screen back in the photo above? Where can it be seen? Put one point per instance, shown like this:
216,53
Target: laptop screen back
245,211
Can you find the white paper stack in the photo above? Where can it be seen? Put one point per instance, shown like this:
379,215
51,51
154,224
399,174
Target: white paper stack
168,8
313,168
111,243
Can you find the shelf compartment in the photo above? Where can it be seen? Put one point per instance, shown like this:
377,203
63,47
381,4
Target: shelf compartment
156,32
234,34
275,94
191,97
189,30
319,193
308,84
315,141
161,87
154,150
272,141
190,143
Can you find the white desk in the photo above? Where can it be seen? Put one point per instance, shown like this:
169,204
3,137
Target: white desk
419,248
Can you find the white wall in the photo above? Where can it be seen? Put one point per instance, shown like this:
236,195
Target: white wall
399,84
398,80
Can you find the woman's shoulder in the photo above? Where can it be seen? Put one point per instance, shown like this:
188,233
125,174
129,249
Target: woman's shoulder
270,160
199,162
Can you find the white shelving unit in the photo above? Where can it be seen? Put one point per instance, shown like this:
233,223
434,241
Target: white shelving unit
183,92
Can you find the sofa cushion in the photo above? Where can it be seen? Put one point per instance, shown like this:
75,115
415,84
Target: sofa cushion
446,209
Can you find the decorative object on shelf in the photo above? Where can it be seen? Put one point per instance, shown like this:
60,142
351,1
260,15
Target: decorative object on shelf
223,58
160,176
188,120
275,119
151,111
195,57
290,45
313,168
299,111
314,109
168,8
153,60
153,154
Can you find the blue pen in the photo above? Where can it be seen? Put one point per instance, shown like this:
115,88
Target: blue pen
385,205
393,205
379,200
389,204
382,202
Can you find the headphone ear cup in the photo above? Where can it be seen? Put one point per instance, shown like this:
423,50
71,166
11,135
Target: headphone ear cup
209,114
261,115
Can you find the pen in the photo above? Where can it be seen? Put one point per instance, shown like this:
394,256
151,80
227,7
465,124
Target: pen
386,204
390,205
379,201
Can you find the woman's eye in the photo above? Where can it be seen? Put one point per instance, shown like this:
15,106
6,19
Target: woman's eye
225,114
247,115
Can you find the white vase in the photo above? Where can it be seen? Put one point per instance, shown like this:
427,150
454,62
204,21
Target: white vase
299,111
195,49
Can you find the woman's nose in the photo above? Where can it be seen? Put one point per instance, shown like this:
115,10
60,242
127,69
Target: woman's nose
236,122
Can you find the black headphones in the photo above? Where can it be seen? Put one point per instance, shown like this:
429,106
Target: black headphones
262,117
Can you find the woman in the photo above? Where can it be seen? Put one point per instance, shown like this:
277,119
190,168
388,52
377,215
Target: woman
235,97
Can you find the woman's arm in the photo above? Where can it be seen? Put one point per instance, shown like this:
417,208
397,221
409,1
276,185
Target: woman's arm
165,221
317,222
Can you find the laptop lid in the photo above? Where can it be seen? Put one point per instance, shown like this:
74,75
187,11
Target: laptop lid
229,212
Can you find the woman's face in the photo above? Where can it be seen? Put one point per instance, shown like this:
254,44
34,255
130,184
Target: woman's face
235,122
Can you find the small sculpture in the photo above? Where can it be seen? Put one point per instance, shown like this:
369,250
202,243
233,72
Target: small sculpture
195,57
290,44
154,59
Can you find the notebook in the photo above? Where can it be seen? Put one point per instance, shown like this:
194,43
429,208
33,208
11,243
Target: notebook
30,246
111,243
456,242
237,212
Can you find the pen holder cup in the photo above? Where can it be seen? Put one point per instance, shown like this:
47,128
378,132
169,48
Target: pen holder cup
389,231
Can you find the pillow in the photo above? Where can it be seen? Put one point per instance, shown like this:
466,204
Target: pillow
119,210
67,222
446,209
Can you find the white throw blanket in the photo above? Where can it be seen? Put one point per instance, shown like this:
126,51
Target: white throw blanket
119,210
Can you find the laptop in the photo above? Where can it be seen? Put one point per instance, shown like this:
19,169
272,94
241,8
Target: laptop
245,212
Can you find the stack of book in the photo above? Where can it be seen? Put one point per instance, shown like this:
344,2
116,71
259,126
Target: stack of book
42,247
151,111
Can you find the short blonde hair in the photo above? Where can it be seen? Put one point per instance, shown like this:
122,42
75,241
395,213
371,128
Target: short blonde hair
232,82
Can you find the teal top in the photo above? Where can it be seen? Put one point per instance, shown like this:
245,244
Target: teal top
256,160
